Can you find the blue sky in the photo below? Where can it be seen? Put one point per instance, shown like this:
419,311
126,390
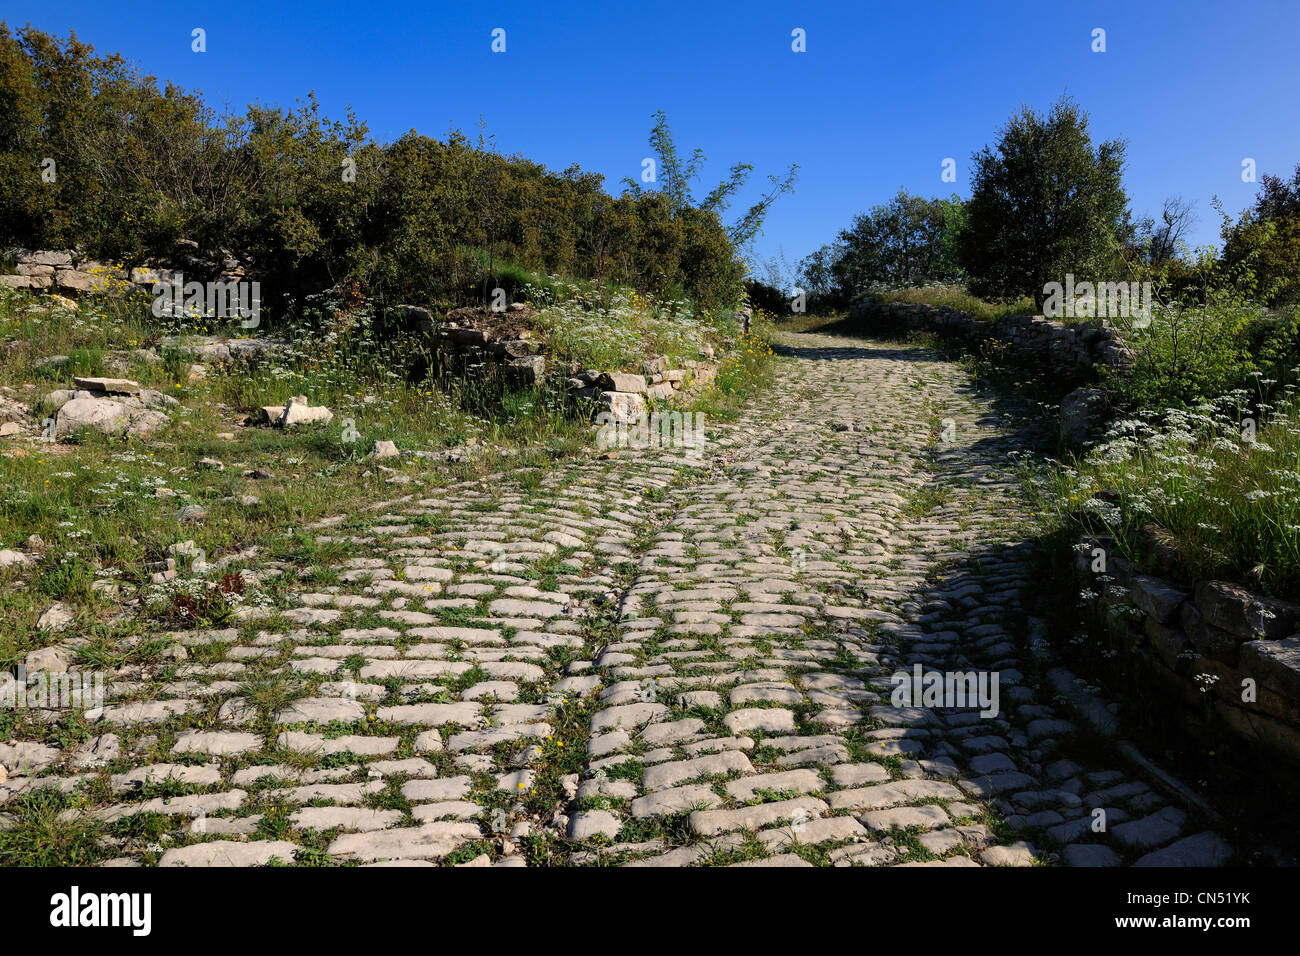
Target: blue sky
883,94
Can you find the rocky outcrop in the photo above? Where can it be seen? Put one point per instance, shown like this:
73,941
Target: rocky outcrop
517,357
217,350
623,394
1083,412
110,405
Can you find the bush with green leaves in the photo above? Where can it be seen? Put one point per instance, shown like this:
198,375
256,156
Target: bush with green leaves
95,155
1044,202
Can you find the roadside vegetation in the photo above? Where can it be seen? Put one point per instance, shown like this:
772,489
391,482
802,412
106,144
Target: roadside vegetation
1196,472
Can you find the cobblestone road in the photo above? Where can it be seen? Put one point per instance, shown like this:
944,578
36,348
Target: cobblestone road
649,660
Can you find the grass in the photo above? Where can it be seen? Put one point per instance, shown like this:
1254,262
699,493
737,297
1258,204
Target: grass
41,833
106,510
743,372
957,298
591,327
1222,496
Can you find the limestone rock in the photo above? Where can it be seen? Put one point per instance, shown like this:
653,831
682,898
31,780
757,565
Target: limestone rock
623,382
56,618
625,408
297,412
109,417
109,386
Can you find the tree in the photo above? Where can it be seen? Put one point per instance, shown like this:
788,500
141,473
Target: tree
1044,202
1159,241
95,155
1266,240
816,275
907,241
675,176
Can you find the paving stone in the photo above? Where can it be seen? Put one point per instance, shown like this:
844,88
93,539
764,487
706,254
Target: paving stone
1203,849
229,853
346,818
430,841
800,781
787,575
592,823
1017,854
217,742
677,800
711,822
1090,854
1153,830
926,817
772,720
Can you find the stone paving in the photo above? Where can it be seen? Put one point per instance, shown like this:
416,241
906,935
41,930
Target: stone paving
646,659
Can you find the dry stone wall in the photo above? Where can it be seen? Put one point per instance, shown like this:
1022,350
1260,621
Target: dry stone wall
1035,338
1215,644
69,271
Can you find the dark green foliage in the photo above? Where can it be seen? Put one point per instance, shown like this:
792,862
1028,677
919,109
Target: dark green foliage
316,203
767,297
1267,239
1044,202
908,241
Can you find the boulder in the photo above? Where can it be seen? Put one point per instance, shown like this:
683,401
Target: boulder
1082,413
56,618
49,257
300,413
9,559
1275,664
1205,637
78,281
152,398
1232,608
512,348
109,417
51,660
297,412
1157,598
384,449
528,370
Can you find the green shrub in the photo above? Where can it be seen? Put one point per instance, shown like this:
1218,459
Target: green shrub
316,203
